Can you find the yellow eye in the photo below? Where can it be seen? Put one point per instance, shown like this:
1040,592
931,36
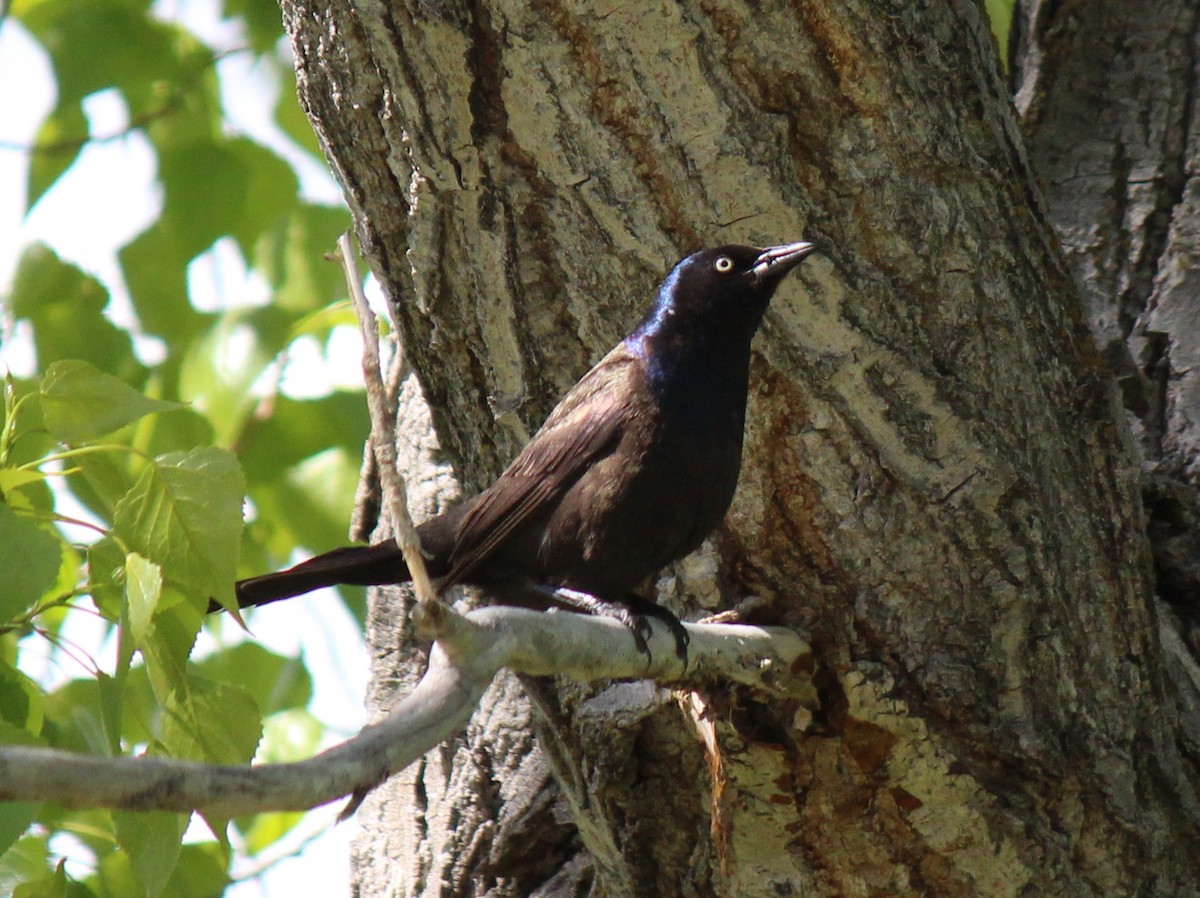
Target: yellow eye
723,265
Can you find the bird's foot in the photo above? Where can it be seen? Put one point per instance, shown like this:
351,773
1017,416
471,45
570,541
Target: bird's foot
639,609
634,612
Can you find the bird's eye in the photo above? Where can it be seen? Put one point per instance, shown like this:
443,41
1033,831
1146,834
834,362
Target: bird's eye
723,265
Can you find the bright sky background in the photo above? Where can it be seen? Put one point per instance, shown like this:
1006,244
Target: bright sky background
101,203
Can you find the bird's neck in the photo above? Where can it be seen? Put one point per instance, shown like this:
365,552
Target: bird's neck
688,367
689,352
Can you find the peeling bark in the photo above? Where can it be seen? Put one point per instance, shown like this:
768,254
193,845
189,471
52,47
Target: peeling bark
939,486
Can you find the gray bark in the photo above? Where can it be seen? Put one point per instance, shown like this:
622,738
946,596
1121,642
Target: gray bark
939,487
1111,134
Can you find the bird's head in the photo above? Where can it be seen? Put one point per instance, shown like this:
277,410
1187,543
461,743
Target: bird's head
721,290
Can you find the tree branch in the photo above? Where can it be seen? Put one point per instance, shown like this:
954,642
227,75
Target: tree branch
469,651
383,438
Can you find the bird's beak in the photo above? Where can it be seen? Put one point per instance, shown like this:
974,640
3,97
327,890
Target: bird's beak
776,261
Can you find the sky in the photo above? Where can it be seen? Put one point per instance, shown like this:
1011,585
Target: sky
101,203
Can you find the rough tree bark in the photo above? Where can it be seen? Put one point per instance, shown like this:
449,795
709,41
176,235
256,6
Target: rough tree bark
1117,153
940,488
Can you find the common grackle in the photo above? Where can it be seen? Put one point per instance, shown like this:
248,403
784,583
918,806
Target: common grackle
632,470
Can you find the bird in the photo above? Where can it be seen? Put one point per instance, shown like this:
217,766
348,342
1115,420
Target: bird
631,471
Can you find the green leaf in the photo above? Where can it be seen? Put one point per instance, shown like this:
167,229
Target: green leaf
185,513
112,706
155,268
153,840
204,188
15,478
274,327
256,189
211,722
25,441
21,702
192,105
313,500
25,862
167,650
219,827
262,831
275,682
96,44
14,735
327,481
291,735
291,118
200,872
179,432
75,718
272,191
52,886
302,428
66,309
60,138
1000,14
15,817
30,559
50,620
103,479
139,711
292,256
143,590
264,25
217,378
81,402
106,573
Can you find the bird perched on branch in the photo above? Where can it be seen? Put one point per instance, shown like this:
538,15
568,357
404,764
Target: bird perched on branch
633,469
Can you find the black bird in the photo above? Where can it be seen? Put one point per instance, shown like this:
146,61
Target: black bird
632,470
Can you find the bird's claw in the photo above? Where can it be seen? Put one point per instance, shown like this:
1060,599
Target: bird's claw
632,611
640,629
637,619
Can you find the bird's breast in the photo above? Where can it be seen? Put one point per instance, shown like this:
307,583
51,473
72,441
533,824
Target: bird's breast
654,499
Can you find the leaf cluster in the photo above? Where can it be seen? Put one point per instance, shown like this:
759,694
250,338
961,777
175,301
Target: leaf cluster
128,458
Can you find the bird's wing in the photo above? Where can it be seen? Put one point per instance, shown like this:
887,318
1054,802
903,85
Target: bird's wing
584,426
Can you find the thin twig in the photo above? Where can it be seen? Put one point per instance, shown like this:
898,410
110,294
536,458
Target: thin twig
383,438
170,106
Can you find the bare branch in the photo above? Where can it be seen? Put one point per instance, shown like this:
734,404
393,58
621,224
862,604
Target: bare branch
470,650
383,438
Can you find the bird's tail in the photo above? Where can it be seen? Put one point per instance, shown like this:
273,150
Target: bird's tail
355,565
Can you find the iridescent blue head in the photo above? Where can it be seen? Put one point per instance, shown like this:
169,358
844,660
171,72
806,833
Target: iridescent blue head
713,301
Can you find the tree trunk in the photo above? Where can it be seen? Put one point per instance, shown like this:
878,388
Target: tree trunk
1115,147
939,489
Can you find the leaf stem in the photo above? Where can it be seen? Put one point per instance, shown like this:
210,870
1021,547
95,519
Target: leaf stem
26,618
81,450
